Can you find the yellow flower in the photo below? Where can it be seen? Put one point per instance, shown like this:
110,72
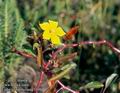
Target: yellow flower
52,31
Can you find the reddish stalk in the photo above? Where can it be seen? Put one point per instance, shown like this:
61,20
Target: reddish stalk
101,42
23,53
26,55
59,90
39,82
66,88
47,64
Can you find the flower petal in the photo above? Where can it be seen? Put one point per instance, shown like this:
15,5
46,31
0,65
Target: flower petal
45,26
53,24
60,32
55,39
46,35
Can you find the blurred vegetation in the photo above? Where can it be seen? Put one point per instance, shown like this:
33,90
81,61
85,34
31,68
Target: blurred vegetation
11,30
98,19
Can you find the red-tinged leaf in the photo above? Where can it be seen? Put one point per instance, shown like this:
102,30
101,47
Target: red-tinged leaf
71,32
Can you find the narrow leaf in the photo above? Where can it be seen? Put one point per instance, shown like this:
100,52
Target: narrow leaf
94,84
110,79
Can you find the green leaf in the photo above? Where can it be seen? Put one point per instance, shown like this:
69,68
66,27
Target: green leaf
67,76
94,84
73,65
110,79
56,70
65,67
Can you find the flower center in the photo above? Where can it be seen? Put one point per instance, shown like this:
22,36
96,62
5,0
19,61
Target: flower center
52,31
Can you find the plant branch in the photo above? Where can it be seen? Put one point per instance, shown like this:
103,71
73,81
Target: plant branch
26,55
23,53
66,88
100,42
39,82
59,90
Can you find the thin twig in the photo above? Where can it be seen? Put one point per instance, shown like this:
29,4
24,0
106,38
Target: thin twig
26,55
101,42
47,65
23,53
59,90
39,82
66,88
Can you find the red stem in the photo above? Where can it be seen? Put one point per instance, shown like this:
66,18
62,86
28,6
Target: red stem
66,88
59,90
26,55
101,42
23,53
39,82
